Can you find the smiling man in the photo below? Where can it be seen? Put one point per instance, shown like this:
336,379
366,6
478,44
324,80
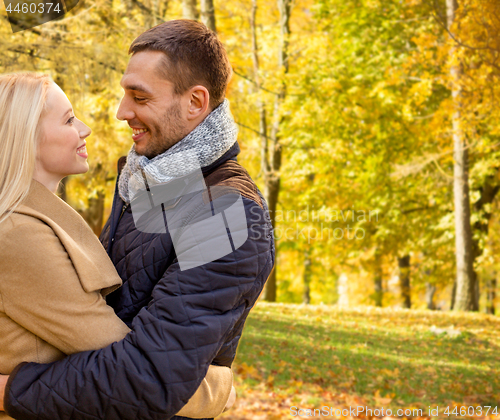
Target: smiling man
184,314
152,108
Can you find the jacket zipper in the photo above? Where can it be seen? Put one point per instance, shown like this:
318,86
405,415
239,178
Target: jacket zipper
121,214
123,211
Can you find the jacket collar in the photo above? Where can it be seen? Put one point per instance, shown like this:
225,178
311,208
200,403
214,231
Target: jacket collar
230,154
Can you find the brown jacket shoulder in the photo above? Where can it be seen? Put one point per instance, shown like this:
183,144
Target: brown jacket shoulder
232,177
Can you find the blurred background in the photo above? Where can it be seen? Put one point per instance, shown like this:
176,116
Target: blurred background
371,127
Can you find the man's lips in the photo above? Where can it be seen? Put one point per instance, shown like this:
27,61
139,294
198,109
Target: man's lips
138,133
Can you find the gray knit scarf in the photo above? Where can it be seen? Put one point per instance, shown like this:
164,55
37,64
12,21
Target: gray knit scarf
201,147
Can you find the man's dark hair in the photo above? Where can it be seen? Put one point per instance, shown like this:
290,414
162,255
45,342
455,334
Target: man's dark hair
194,56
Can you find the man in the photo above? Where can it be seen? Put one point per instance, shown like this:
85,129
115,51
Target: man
187,287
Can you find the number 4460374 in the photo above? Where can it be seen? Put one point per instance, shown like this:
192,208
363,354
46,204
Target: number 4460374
34,8
472,411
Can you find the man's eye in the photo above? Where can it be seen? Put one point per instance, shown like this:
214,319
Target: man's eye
71,120
137,99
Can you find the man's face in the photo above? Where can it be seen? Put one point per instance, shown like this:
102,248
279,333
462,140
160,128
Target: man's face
150,106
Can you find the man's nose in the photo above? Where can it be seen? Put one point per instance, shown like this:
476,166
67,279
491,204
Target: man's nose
125,111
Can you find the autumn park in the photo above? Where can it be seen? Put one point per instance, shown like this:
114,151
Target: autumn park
372,129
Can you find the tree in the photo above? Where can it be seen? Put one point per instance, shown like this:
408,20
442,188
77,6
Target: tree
464,299
307,276
272,147
404,280
491,286
189,10
208,14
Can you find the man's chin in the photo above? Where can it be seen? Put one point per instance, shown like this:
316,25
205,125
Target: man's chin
152,150
143,151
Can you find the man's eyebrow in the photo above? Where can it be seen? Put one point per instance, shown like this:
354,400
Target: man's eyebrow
137,88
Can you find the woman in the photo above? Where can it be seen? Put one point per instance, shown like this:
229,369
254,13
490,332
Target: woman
54,270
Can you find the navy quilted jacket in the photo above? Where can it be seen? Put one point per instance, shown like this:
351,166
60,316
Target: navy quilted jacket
194,318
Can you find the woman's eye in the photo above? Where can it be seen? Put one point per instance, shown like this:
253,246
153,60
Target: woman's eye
70,121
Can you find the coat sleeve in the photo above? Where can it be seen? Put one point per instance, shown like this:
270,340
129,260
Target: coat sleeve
211,397
154,371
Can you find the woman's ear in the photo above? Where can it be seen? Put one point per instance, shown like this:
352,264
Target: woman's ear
199,102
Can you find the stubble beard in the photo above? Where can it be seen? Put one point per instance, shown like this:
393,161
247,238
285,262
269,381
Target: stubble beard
166,132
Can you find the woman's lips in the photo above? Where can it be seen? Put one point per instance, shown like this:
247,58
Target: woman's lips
82,151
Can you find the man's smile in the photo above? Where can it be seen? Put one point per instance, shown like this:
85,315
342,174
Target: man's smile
138,133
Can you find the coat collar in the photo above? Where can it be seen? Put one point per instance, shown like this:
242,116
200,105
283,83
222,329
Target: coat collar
92,264
41,200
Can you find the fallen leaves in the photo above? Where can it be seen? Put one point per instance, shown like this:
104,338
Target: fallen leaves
403,367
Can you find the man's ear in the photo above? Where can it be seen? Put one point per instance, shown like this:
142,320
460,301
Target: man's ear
199,102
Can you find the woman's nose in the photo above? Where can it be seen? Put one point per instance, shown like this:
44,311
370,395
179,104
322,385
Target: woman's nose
84,130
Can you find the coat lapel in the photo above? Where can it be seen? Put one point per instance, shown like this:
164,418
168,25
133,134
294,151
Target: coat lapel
92,264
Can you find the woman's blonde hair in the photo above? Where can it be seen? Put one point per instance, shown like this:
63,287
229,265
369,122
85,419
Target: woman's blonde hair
22,100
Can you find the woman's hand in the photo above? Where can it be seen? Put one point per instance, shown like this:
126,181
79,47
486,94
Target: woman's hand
3,383
231,400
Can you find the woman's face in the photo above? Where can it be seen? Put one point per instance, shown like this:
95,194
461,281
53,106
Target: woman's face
61,147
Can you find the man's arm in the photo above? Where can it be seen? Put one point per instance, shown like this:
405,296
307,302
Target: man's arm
159,365
83,319
192,409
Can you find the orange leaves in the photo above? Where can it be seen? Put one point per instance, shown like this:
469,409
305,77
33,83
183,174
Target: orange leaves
270,381
246,371
382,401
402,365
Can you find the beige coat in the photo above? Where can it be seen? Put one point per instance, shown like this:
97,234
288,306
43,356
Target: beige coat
54,274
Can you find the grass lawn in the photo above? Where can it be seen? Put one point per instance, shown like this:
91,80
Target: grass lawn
314,356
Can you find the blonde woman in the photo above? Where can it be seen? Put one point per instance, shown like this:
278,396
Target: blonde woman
54,270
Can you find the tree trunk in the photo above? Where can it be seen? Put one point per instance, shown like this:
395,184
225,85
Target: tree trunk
307,277
464,299
404,280
378,293
189,10
272,147
430,290
94,214
261,106
453,294
208,14
491,287
162,8
343,290
270,289
488,191
271,192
